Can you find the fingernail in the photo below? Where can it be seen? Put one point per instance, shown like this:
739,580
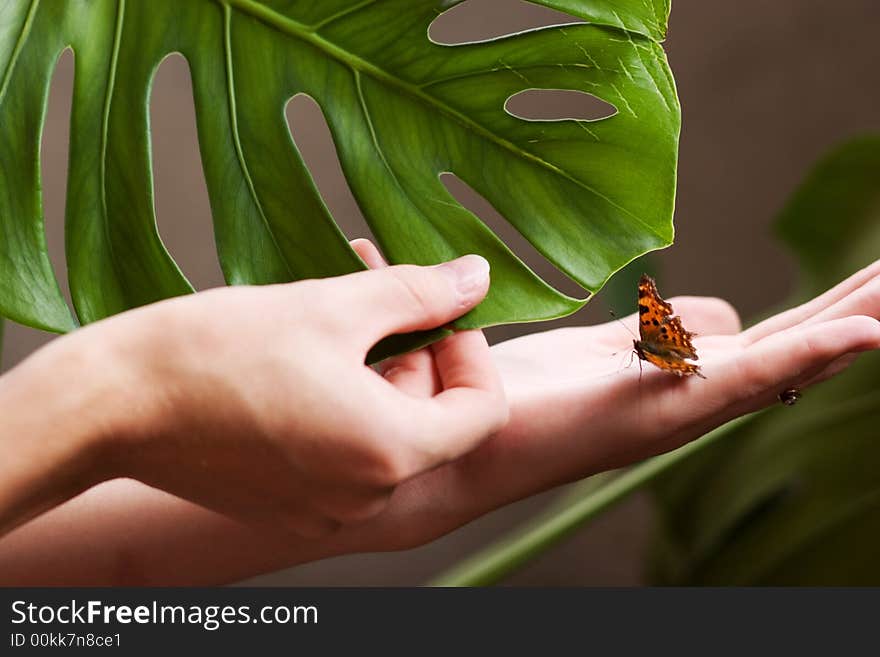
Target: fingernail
470,274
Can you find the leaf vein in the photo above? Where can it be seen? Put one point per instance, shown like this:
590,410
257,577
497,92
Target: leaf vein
105,127
499,69
19,46
341,14
295,29
236,137
381,153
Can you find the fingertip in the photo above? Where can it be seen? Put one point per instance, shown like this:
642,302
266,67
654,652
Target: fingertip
863,331
404,298
823,342
724,315
470,274
813,344
707,315
796,354
359,244
369,253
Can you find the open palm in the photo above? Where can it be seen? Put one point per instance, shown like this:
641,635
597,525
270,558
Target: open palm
580,404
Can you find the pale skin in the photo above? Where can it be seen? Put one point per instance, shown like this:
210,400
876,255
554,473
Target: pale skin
291,450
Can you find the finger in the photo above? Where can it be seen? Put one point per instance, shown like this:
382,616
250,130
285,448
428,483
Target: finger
863,301
700,315
792,358
471,406
369,253
465,361
707,315
752,378
413,373
404,298
803,312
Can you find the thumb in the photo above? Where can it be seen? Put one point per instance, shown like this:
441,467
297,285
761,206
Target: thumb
406,298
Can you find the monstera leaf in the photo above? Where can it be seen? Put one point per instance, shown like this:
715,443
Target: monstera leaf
589,195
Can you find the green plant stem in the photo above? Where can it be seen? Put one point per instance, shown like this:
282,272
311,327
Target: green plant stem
497,561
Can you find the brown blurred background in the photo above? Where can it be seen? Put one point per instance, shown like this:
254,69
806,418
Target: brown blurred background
766,87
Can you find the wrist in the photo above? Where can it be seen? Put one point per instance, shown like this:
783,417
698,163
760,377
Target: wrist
56,438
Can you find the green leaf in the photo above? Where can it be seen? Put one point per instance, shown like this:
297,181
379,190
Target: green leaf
590,195
833,221
793,497
646,18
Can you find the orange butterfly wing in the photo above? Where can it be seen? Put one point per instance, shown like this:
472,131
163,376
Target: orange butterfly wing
677,366
664,340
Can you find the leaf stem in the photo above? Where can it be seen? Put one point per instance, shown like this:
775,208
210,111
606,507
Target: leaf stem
497,561
19,46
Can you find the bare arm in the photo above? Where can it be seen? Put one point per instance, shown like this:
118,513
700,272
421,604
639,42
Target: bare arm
572,414
253,402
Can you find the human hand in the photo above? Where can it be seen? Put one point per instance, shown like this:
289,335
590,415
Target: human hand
577,407
628,412
256,402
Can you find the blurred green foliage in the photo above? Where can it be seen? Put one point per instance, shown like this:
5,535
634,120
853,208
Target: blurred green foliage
792,497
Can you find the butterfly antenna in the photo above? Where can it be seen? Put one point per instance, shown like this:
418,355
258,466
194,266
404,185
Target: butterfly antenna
623,324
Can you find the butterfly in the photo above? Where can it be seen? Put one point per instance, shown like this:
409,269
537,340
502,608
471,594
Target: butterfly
664,341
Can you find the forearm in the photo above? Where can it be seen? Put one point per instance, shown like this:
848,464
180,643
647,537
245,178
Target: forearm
125,533
122,533
64,517
50,446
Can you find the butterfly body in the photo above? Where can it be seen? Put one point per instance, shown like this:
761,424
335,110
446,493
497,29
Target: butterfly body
663,340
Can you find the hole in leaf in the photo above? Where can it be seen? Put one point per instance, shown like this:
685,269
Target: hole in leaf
482,208
484,20
313,139
183,210
54,148
558,105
